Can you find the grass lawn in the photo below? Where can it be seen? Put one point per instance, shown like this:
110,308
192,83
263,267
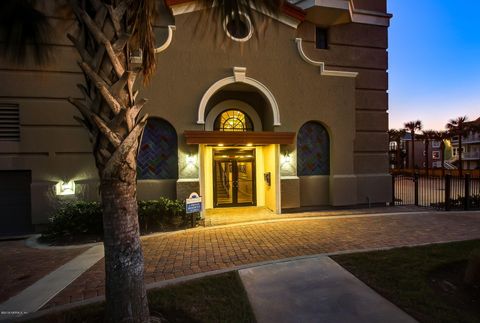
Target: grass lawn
425,281
218,298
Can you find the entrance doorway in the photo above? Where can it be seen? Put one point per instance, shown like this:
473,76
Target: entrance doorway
234,177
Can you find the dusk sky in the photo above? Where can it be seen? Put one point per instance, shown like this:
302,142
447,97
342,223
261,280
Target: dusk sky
434,61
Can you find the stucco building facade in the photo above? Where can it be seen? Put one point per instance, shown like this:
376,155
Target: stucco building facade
291,115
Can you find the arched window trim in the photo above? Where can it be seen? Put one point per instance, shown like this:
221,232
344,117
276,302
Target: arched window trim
236,104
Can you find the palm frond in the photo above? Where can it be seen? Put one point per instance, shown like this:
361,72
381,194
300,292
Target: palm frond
141,14
235,10
23,27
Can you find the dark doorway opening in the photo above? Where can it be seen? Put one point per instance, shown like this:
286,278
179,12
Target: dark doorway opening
15,214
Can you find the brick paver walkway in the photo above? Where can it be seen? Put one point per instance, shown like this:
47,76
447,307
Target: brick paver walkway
235,215
21,266
202,250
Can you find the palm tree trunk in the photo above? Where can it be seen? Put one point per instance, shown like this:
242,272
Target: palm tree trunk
124,289
407,164
460,151
426,157
397,155
112,116
442,157
413,150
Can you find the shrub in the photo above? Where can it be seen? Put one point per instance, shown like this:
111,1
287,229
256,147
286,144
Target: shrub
157,215
73,219
79,220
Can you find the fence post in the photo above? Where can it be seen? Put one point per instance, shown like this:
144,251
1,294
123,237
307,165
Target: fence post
448,179
466,205
415,180
393,189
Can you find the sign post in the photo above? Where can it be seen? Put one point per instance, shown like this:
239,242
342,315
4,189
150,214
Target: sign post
193,204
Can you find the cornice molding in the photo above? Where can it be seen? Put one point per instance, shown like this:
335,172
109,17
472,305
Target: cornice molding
321,65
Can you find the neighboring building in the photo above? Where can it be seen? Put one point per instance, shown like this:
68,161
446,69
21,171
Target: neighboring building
293,116
470,147
405,155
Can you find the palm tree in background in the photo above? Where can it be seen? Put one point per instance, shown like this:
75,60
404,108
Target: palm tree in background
428,136
461,128
412,127
110,33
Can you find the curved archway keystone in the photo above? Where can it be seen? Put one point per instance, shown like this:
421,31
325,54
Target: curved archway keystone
238,77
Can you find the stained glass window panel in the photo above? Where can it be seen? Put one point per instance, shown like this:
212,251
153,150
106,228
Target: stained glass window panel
313,150
233,120
158,155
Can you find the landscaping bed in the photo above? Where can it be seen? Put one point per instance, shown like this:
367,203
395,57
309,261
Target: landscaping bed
81,222
427,281
219,298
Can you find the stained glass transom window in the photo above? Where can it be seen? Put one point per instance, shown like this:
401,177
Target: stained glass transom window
158,155
313,150
233,120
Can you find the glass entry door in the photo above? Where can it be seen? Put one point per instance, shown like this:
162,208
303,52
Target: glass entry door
234,178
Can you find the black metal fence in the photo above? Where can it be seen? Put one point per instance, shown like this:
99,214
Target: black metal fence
446,193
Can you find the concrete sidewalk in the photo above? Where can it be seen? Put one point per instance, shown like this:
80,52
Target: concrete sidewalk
39,293
314,290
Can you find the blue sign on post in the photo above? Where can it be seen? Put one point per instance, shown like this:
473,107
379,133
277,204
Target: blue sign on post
194,207
193,203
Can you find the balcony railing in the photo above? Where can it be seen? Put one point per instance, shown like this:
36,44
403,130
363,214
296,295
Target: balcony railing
471,139
471,155
468,156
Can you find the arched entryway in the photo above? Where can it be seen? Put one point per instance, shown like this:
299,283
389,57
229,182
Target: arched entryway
238,148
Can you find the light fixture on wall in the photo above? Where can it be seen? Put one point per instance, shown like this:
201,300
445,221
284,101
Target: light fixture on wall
191,159
65,188
286,158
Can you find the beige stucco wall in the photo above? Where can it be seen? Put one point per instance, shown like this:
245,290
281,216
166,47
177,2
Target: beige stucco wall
314,190
353,110
301,92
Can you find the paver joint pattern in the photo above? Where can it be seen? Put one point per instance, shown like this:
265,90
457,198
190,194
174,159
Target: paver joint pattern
202,250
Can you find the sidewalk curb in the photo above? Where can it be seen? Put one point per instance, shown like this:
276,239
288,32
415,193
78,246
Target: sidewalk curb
184,279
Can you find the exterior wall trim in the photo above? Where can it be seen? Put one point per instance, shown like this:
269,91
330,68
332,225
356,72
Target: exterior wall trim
240,105
321,65
238,77
167,43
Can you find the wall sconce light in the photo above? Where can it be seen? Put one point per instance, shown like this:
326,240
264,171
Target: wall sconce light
62,188
286,158
191,159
